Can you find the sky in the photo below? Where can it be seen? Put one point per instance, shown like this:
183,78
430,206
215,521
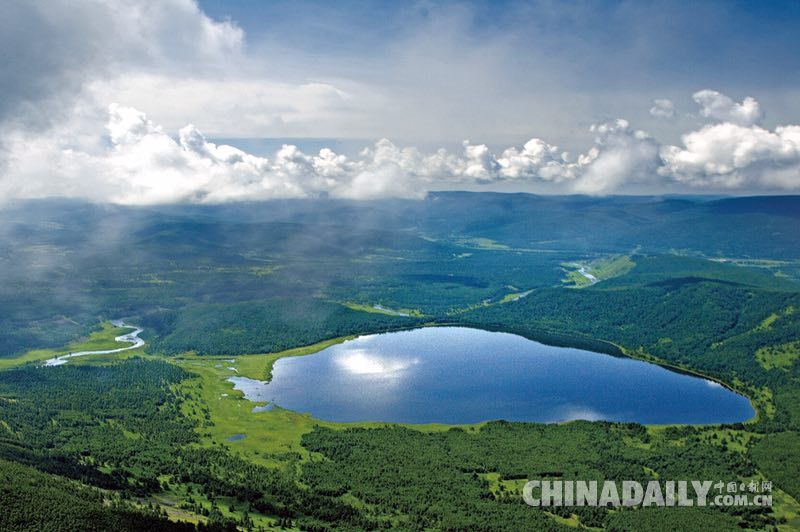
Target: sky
141,102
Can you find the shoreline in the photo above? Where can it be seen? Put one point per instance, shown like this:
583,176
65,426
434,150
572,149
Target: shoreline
544,337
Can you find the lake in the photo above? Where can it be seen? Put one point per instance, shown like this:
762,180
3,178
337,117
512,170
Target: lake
459,375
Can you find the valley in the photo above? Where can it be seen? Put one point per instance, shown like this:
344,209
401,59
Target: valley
159,432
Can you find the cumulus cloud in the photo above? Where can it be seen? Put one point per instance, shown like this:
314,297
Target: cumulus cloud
138,161
662,108
537,159
734,152
621,155
731,156
721,107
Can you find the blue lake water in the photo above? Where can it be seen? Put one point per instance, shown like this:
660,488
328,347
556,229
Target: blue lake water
460,375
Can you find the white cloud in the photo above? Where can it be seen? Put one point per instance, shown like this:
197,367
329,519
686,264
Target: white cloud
140,163
537,159
134,160
721,107
662,108
65,61
239,105
52,49
735,153
621,155
734,156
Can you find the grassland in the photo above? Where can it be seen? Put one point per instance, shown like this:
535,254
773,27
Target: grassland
779,268
224,412
508,298
779,356
380,309
596,270
483,243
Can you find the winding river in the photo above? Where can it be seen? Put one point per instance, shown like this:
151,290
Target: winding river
131,338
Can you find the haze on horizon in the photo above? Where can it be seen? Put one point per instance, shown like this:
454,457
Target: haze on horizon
121,101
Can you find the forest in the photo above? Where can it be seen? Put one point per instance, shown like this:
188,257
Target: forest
142,440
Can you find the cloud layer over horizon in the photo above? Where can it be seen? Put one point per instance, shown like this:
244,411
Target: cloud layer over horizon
76,121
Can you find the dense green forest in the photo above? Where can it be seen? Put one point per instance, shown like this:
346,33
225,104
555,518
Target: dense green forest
442,480
34,501
242,327
137,442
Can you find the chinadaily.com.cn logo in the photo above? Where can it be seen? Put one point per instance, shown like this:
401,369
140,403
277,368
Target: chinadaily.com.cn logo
652,493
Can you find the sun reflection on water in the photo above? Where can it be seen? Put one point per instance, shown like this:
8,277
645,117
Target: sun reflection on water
359,361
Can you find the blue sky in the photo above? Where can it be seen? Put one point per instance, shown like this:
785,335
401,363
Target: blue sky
193,101
672,43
